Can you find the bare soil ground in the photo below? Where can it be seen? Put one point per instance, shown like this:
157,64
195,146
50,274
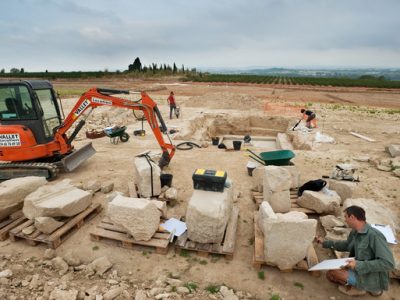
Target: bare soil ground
339,110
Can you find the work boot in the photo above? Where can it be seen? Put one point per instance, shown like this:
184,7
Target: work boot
376,294
351,290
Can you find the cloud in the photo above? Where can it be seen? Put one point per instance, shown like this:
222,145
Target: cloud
72,34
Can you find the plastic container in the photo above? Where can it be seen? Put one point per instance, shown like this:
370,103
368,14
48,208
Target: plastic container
215,141
166,179
251,166
237,145
209,180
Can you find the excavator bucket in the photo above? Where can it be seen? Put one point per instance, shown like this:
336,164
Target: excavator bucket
73,160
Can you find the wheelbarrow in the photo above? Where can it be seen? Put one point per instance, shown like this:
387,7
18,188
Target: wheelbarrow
116,134
274,158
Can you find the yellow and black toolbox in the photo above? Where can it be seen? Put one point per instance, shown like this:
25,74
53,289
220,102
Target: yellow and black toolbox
209,180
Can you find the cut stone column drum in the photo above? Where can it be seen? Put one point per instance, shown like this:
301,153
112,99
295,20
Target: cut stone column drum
208,214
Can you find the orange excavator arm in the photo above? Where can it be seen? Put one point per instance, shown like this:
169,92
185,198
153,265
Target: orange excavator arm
95,97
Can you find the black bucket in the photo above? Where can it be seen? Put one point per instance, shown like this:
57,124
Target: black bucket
215,141
166,179
237,145
250,171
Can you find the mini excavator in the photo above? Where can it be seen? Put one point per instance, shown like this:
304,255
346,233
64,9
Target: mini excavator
33,132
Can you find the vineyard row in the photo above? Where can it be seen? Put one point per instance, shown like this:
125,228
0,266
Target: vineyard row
346,82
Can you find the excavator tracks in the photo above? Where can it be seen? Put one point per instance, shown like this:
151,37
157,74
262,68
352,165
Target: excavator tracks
15,170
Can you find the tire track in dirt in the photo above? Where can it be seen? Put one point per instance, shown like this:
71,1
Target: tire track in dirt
336,98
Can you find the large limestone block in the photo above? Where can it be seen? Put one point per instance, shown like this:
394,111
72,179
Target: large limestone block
344,189
145,171
292,215
320,202
375,213
394,150
286,238
58,200
139,216
279,201
301,140
276,179
47,224
258,179
208,214
330,221
162,207
282,142
266,212
295,174
13,192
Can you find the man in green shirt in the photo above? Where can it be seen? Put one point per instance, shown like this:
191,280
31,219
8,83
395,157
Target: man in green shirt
370,261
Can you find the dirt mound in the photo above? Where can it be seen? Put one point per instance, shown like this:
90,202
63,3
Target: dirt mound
225,100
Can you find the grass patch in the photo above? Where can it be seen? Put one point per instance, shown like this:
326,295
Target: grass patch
203,262
212,289
184,253
261,275
68,92
191,286
299,285
275,297
215,257
94,248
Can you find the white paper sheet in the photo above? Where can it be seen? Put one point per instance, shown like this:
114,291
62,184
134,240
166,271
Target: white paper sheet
175,226
330,264
387,232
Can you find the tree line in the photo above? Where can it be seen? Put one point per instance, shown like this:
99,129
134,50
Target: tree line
135,67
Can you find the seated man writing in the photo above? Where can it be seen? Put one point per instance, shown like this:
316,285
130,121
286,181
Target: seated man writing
369,270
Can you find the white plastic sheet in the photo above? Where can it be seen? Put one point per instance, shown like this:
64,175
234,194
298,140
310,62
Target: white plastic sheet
323,138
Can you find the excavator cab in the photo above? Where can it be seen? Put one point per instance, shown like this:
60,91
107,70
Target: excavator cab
32,104
29,119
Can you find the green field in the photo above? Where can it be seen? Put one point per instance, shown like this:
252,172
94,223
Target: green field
314,81
369,81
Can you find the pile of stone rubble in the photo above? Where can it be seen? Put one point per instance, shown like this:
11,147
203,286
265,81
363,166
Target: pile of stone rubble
68,278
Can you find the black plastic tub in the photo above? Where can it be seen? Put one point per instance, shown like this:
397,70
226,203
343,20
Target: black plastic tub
166,179
237,145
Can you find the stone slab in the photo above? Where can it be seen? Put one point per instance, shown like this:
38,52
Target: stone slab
208,214
320,202
139,216
344,189
58,200
13,192
286,238
276,179
146,173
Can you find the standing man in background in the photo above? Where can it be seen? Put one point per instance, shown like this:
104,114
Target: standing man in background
172,104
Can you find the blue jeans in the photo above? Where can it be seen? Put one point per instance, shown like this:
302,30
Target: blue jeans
351,278
172,108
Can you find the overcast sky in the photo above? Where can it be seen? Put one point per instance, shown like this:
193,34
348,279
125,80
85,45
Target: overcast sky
97,34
